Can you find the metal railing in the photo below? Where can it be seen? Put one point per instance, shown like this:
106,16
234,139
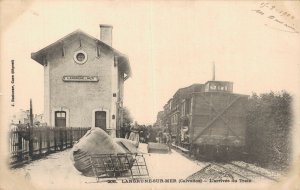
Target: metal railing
128,165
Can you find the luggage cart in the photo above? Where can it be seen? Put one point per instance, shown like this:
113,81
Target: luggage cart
116,166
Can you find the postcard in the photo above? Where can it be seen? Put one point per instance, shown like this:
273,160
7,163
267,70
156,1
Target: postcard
150,94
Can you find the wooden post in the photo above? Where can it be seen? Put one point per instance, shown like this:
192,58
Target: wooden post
31,115
30,131
55,135
66,137
71,137
40,142
30,139
61,138
20,148
48,139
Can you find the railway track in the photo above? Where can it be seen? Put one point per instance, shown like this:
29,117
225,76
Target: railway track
244,172
229,171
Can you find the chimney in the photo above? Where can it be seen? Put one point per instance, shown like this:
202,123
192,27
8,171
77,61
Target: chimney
106,34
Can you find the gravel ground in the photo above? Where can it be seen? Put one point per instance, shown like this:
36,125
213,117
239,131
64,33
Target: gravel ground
226,171
271,173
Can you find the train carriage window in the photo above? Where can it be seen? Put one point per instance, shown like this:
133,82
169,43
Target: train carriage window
213,87
206,88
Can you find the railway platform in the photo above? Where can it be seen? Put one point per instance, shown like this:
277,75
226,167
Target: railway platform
57,171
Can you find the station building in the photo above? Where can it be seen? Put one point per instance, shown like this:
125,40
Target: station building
84,81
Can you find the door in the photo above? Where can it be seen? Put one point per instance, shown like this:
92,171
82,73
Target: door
60,119
100,119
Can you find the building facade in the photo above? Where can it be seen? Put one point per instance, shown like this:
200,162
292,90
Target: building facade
84,81
177,111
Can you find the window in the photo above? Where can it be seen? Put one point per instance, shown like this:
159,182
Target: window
188,106
80,57
206,87
60,114
174,119
183,108
213,87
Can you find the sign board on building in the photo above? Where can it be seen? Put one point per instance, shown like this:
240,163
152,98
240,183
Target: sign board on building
80,78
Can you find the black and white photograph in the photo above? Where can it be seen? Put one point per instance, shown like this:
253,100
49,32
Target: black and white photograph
149,94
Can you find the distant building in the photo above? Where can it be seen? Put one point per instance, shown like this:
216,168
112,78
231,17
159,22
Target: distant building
83,81
160,119
177,110
39,118
21,117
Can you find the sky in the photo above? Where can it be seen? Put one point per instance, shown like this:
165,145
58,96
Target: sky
170,45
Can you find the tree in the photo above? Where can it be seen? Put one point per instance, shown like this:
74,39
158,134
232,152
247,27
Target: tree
269,120
127,119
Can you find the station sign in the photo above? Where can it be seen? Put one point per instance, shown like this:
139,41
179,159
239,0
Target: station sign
80,78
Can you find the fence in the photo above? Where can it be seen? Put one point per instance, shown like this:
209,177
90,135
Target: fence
26,143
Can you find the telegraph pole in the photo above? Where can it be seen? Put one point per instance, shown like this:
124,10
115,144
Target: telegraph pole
30,131
31,115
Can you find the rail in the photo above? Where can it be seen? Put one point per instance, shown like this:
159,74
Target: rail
254,172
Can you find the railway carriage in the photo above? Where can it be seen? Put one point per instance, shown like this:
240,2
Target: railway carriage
208,120
217,127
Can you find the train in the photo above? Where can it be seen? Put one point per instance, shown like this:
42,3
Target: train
207,120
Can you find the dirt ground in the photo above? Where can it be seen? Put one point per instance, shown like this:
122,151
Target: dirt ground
56,171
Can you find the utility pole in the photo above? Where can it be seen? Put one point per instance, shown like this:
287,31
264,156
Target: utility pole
30,131
30,114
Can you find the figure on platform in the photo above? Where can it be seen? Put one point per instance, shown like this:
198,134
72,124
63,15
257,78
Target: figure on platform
134,135
126,130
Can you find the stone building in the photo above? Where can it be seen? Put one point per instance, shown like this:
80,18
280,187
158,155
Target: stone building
84,81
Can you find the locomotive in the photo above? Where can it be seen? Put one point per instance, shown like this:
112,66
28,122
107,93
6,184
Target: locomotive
208,120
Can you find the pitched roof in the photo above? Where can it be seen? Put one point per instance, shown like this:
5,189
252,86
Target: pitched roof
122,58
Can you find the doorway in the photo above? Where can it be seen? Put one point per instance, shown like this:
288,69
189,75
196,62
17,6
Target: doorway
60,119
100,119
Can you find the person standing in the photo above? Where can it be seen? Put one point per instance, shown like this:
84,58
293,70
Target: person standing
134,134
169,141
